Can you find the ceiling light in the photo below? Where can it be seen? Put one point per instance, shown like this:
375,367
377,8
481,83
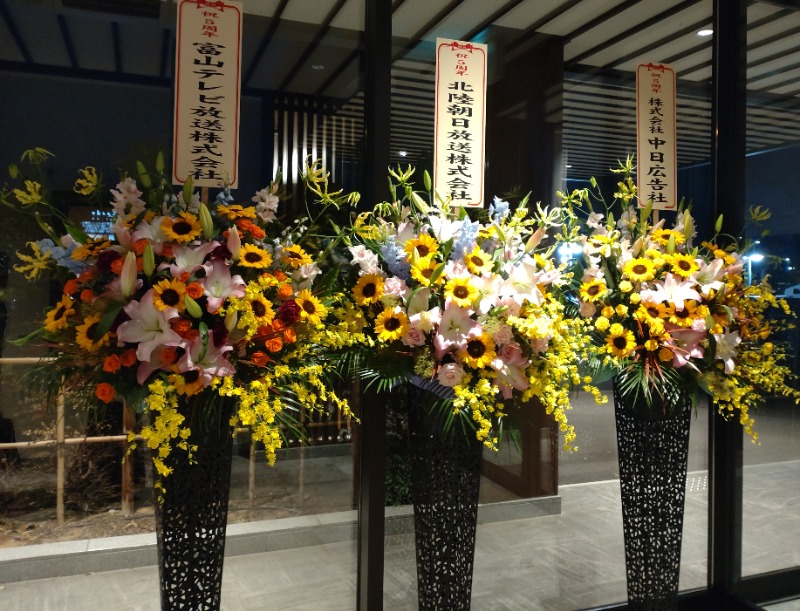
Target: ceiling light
318,67
705,32
403,153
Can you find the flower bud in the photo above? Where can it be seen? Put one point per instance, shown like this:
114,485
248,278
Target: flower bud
206,222
234,243
231,318
192,307
148,260
127,279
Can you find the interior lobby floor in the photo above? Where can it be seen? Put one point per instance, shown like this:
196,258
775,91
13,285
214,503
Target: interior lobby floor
574,560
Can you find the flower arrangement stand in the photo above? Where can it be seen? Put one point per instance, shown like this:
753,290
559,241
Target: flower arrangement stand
444,489
191,521
653,455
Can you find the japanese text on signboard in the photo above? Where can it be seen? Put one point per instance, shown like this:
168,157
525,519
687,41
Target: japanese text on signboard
207,93
656,150
460,121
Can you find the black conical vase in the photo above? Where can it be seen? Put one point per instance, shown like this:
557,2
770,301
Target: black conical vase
653,447
445,482
191,520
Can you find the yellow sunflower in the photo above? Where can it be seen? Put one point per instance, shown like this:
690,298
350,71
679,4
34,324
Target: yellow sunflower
682,265
263,313
311,308
182,229
422,270
479,351
253,256
662,236
686,316
461,292
478,261
620,342
56,319
368,289
391,324
639,269
295,256
169,293
593,291
187,383
424,246
84,334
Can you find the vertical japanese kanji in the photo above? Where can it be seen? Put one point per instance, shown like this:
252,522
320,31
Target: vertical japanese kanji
207,89
656,158
460,121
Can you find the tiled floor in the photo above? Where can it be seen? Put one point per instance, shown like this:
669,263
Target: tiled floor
568,561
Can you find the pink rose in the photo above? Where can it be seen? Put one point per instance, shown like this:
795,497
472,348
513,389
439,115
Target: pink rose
414,337
511,354
503,335
450,374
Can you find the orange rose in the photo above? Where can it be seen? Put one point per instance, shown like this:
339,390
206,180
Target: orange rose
194,290
87,295
280,275
112,364
166,251
285,291
105,392
289,336
181,326
169,355
128,357
71,286
260,359
274,344
278,324
139,246
116,266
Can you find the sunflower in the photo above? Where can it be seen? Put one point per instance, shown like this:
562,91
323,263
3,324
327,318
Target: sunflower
56,319
639,269
479,351
368,289
422,270
84,334
662,236
295,256
311,308
478,261
620,341
461,291
187,383
391,324
682,265
593,291
182,229
424,246
262,310
253,256
169,293
650,312
684,318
